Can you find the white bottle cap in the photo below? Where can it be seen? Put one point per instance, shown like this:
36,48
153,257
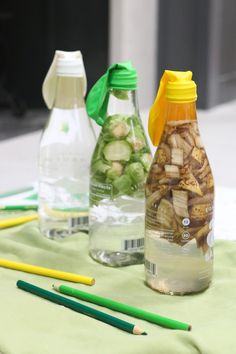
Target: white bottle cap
64,64
69,64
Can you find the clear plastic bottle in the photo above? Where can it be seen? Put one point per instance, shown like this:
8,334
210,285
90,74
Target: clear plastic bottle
118,172
66,147
179,200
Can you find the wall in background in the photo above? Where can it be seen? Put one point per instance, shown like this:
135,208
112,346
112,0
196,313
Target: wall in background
153,34
133,36
32,30
200,36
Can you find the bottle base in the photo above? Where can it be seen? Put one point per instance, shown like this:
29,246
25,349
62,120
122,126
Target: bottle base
116,259
60,229
57,234
164,289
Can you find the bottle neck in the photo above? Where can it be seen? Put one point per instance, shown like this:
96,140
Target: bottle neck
181,111
122,102
69,92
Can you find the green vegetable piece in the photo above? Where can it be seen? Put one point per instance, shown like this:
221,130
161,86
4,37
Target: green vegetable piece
115,170
136,143
120,94
135,157
100,167
119,129
123,184
136,172
146,160
117,151
136,138
116,126
97,155
114,118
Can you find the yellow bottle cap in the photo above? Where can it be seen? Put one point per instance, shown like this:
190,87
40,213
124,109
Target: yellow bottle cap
181,91
175,86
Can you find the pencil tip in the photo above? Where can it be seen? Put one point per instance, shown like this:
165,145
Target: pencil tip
138,330
55,287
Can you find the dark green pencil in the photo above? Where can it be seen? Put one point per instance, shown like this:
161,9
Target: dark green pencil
76,306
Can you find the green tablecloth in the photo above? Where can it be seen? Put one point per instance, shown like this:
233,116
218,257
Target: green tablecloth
31,325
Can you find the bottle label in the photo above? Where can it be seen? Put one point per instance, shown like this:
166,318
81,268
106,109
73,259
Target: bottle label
99,191
78,223
133,244
151,267
183,230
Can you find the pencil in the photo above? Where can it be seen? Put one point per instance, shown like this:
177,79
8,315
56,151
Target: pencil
16,191
51,273
18,207
17,221
78,307
124,308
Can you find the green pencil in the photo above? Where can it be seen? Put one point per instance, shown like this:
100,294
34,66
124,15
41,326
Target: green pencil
120,307
16,192
76,306
18,207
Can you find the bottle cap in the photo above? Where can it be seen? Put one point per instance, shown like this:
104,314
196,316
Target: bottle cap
181,91
175,86
69,64
120,76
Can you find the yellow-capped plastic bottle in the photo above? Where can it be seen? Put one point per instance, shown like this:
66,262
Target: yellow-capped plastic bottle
179,193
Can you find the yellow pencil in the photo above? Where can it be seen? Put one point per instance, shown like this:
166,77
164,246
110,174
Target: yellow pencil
17,221
52,273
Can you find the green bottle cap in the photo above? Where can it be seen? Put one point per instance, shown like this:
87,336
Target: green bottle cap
120,76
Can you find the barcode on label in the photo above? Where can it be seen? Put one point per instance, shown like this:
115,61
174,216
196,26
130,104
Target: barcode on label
81,222
151,267
135,244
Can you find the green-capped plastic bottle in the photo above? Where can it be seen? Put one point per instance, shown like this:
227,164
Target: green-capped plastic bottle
118,169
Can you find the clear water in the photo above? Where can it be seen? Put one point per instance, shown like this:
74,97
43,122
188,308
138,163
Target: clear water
62,211
117,231
174,269
65,152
